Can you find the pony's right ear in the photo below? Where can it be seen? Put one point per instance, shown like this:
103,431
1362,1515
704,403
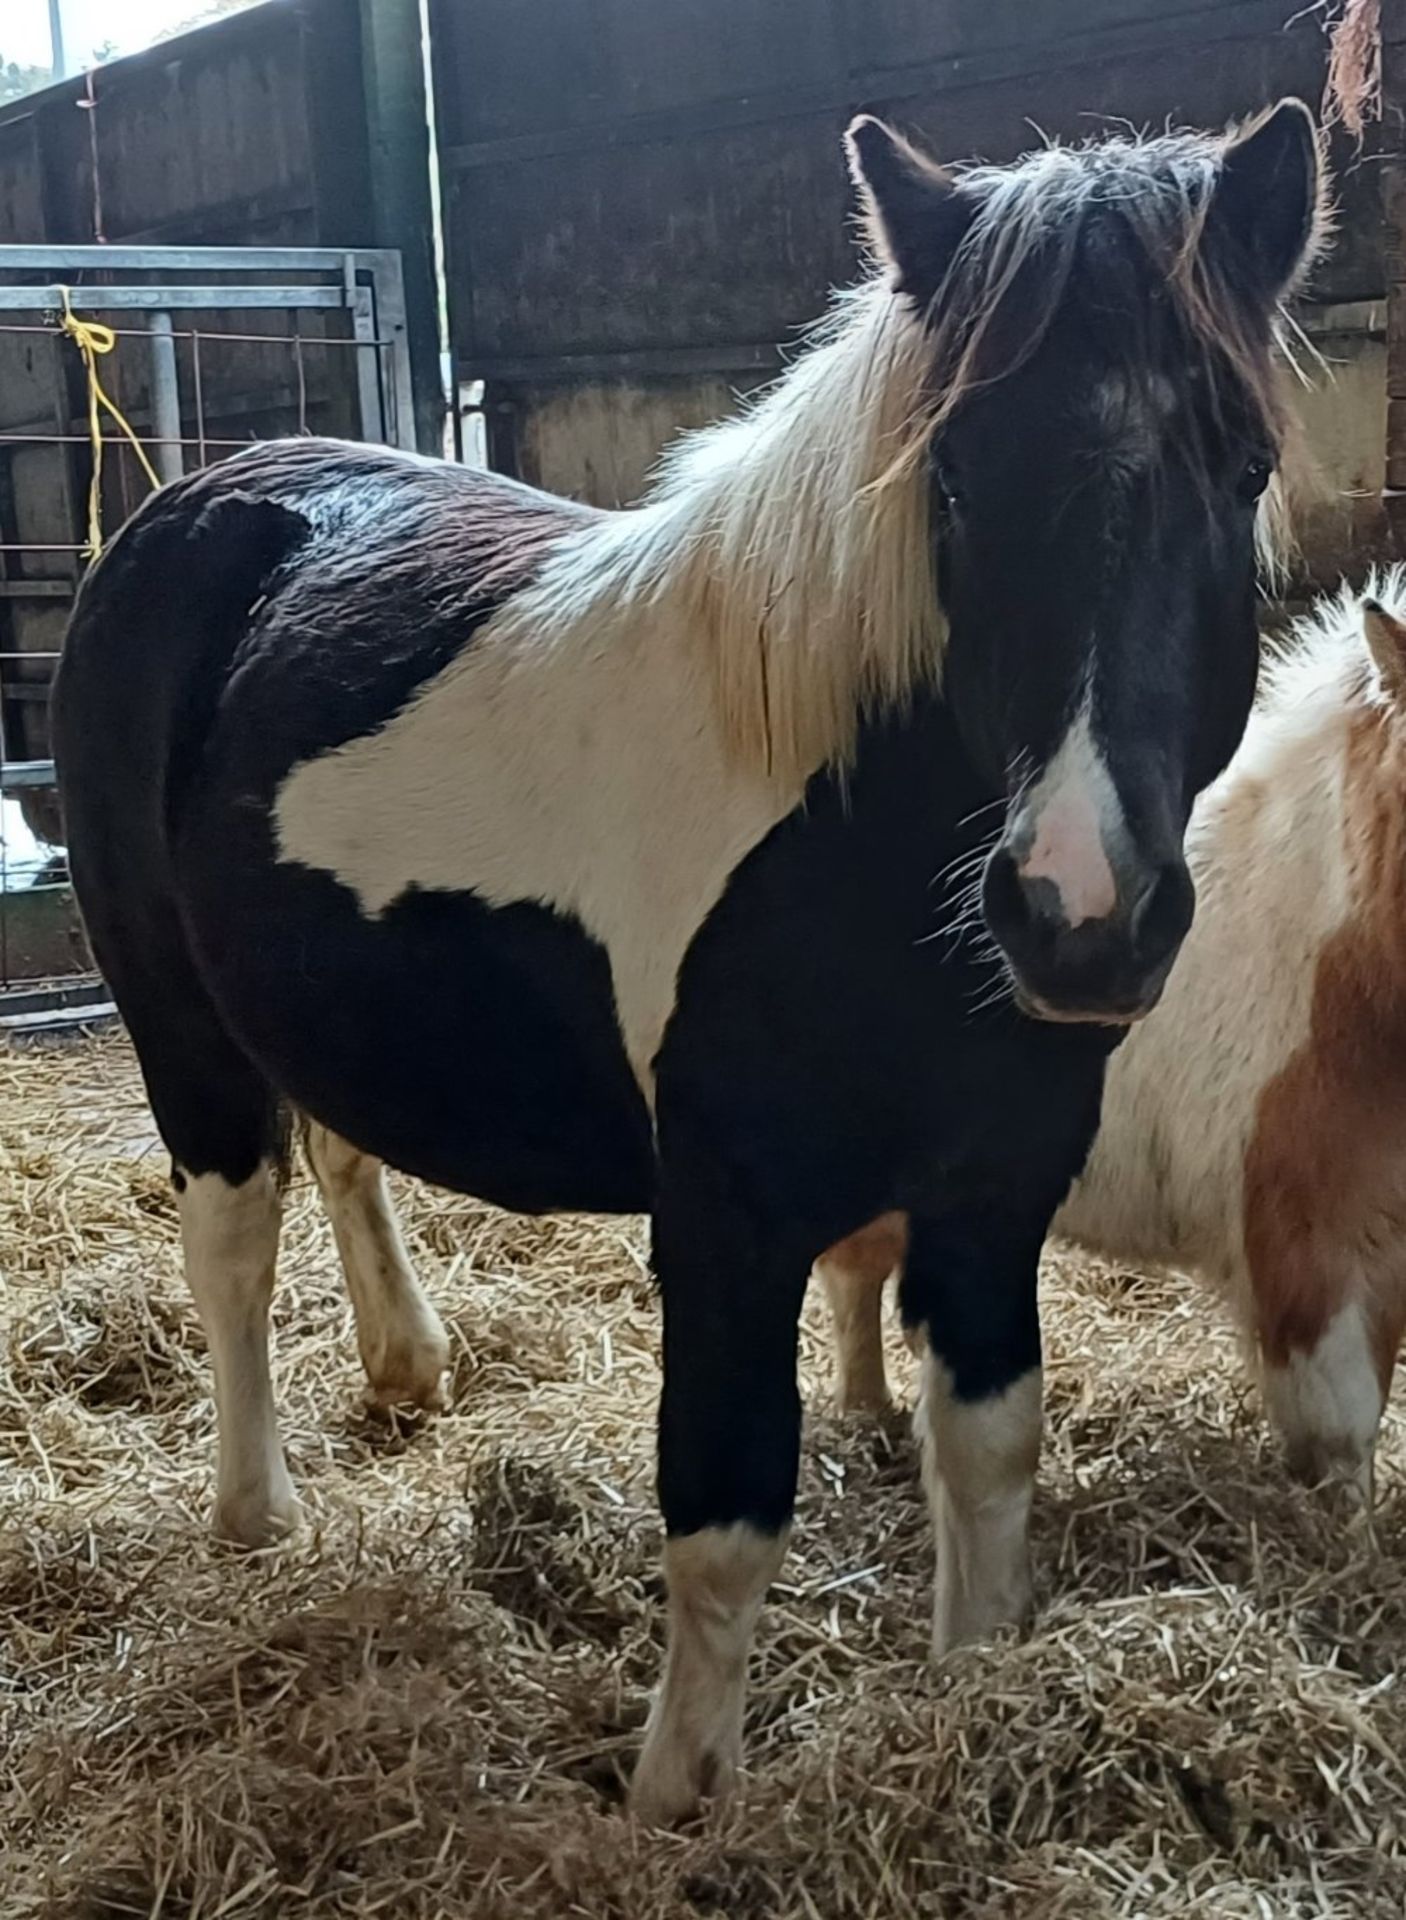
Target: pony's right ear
1386,642
915,215
1271,200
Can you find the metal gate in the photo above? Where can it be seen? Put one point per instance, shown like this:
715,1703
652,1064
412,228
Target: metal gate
198,351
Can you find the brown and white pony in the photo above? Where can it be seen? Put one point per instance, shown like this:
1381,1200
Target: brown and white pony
1254,1126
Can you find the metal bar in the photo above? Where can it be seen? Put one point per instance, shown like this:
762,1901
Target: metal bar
368,379
28,259
48,332
111,299
187,440
402,204
199,396
34,590
165,398
19,438
388,292
26,773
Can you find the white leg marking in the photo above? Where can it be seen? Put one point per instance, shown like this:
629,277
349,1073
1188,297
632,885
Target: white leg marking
1327,1404
1070,822
403,1345
979,1459
717,1580
230,1236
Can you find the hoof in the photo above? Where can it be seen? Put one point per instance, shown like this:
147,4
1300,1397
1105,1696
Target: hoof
256,1520
410,1374
874,1400
670,1786
963,1621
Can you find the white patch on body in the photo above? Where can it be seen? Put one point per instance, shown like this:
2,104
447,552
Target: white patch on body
590,776
1327,1403
717,1580
402,1341
979,1460
1070,822
230,1236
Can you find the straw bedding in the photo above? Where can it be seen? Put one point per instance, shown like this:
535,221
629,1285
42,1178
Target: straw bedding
425,1706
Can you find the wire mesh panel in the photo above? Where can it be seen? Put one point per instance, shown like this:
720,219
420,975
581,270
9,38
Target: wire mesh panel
121,367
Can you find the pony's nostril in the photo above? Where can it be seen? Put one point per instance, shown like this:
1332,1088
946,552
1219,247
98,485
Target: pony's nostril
1162,914
1003,897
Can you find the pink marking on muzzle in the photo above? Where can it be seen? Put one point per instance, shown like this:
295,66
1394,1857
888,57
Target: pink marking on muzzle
1067,849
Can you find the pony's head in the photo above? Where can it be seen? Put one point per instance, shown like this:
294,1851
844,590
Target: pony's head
1103,424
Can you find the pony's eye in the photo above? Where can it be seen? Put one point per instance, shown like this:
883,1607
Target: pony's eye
1254,478
949,486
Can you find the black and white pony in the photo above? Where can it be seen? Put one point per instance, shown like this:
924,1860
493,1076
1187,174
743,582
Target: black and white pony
584,860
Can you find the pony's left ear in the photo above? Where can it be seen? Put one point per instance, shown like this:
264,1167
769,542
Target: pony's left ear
916,217
1386,642
1271,197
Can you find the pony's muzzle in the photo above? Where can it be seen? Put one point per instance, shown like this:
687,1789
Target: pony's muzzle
1109,967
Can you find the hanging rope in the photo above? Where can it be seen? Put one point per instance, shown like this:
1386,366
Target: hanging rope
1353,94
92,340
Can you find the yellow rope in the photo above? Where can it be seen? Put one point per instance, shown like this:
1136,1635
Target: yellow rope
92,339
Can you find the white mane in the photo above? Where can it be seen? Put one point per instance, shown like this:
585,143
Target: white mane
790,545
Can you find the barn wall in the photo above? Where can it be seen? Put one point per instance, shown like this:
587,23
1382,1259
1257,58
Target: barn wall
246,133
646,198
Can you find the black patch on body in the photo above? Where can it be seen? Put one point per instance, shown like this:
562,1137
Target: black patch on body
823,1065
475,1047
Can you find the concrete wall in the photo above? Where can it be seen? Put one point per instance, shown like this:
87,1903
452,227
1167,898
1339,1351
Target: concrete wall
1340,520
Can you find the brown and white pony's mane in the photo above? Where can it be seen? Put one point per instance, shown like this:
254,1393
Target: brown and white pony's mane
793,542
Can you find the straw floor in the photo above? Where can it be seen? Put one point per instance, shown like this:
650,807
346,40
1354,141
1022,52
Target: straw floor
425,1706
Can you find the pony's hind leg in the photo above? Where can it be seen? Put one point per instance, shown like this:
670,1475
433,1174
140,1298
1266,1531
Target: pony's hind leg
403,1345
853,1273
1325,1388
226,1132
230,1234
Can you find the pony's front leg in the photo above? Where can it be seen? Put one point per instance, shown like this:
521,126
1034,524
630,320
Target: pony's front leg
729,1445
969,1284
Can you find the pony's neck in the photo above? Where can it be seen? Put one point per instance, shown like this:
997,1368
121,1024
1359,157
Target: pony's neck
793,544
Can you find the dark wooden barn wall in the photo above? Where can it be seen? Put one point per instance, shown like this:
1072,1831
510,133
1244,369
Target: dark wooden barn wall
644,198
636,176
246,133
